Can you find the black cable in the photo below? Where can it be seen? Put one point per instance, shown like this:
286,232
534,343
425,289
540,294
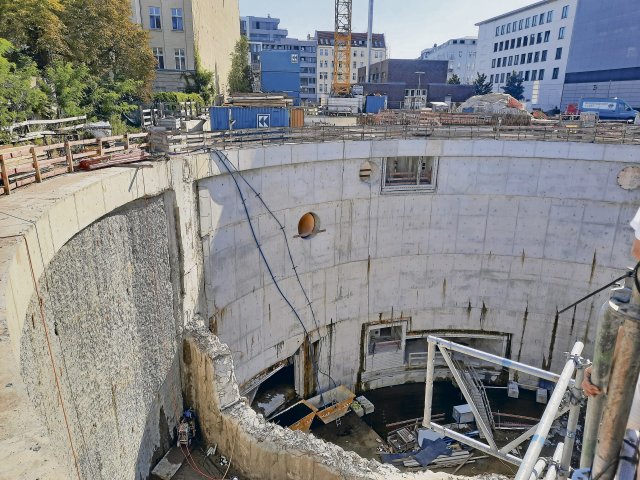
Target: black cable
595,292
225,162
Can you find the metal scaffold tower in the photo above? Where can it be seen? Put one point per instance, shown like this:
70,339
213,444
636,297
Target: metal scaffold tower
342,49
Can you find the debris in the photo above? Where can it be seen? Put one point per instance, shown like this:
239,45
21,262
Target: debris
35,447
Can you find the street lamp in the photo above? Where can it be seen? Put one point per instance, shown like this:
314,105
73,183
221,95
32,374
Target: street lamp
419,90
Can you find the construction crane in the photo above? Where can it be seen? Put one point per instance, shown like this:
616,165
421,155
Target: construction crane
341,85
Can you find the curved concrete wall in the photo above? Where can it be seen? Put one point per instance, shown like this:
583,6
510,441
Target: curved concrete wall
513,231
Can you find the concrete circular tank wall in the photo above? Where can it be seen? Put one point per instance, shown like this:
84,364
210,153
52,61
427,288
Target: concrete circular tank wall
511,232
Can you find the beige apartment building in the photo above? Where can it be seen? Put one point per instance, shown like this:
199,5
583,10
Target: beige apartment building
180,28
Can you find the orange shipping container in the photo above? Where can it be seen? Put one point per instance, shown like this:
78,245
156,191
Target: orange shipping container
296,118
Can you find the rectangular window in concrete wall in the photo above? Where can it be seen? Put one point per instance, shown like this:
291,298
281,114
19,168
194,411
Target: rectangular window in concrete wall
526,25
401,174
154,18
565,11
558,53
176,19
556,73
561,33
549,16
520,25
547,34
543,58
541,74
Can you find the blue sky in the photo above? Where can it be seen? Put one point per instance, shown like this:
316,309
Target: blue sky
410,25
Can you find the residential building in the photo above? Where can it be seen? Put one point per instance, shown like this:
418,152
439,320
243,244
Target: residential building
461,55
180,28
265,34
358,54
532,41
604,59
412,83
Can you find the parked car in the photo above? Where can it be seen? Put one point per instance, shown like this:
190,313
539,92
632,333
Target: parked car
609,108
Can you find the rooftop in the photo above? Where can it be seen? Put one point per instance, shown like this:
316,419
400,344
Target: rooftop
326,38
512,12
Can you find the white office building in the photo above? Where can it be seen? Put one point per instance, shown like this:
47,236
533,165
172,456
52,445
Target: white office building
461,55
358,57
532,41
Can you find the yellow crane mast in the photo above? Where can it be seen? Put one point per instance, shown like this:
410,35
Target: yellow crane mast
341,85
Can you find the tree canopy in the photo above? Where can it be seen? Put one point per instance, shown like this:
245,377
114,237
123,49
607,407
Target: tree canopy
76,56
514,86
454,80
481,85
240,78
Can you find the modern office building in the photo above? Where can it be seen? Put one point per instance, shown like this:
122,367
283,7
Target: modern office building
358,53
179,28
604,59
532,41
461,55
265,34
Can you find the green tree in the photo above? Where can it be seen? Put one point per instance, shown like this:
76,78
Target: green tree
481,85
20,97
67,85
240,78
454,80
35,28
101,35
201,82
514,86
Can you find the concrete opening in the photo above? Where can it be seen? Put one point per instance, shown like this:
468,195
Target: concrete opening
308,225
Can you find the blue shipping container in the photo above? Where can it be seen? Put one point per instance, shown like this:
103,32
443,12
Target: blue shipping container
375,103
248,117
279,61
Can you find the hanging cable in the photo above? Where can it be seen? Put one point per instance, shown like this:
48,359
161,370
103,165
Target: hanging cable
595,292
225,161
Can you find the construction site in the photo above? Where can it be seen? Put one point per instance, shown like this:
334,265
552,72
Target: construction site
400,295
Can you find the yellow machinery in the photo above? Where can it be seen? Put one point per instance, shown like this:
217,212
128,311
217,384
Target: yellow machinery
341,85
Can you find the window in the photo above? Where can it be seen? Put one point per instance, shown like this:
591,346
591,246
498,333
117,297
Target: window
532,39
176,19
534,74
534,21
499,62
513,43
504,61
491,78
515,59
510,61
525,41
526,76
493,63
536,57
550,16
501,46
502,30
154,18
497,31
541,21
529,57
506,45
508,28
558,53
508,76
409,173
565,11
181,61
539,38
522,58
561,33
519,42
158,53
546,35
543,57
526,22
495,47
502,78
520,25
541,74
556,73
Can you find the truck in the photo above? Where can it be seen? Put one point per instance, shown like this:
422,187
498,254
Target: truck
608,108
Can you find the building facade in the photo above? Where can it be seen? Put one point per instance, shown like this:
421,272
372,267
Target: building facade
265,34
461,55
534,42
604,60
180,28
358,53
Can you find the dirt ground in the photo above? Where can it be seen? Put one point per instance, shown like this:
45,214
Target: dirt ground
353,434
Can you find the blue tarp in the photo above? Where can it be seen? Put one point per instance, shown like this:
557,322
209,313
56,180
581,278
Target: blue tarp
429,451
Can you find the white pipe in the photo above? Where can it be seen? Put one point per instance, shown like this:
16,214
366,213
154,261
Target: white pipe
539,467
526,435
572,424
537,442
428,391
474,443
369,40
488,357
552,473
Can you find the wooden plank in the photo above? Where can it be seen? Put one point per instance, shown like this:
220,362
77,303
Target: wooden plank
88,141
35,164
69,156
5,177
